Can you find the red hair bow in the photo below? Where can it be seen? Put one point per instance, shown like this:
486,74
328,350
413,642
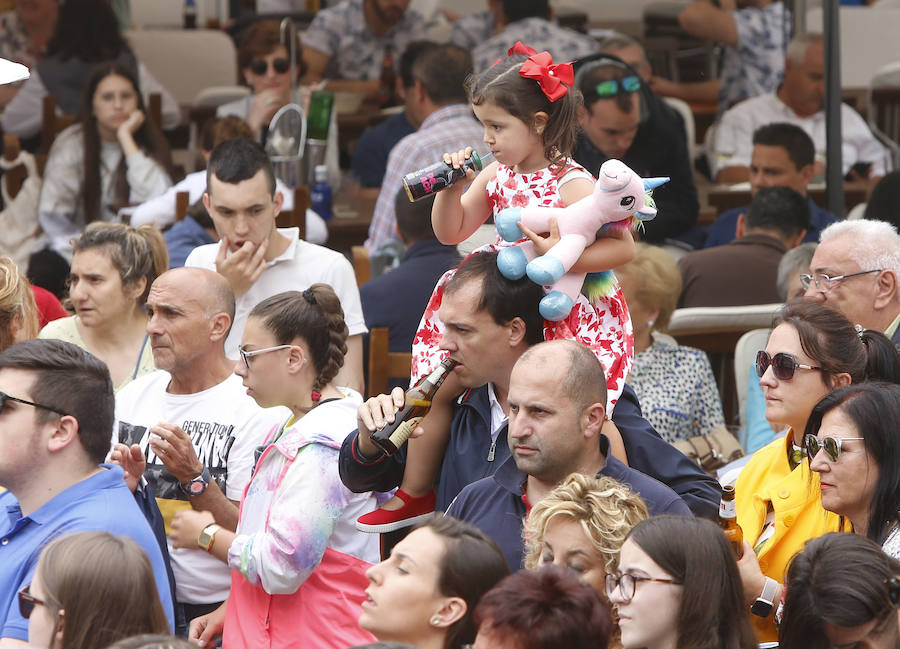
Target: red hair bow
551,77
520,48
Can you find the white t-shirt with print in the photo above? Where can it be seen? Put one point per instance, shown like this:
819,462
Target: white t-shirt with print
226,426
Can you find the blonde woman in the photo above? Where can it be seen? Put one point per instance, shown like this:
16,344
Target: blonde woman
581,525
18,312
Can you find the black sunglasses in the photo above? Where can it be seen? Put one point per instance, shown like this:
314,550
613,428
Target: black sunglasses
5,397
783,365
27,602
259,66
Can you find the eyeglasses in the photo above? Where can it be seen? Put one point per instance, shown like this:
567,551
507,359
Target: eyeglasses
783,365
27,602
5,397
261,66
613,87
246,356
626,583
825,283
831,446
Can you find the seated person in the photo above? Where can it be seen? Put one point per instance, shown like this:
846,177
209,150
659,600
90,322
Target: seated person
529,21
783,156
265,67
375,144
884,199
622,118
630,51
161,210
744,271
127,162
86,33
471,30
674,383
398,298
348,42
799,100
753,34
25,31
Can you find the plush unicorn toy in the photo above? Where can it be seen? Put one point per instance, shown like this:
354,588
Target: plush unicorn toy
620,200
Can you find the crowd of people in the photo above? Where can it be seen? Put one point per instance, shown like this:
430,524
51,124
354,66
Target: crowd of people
186,437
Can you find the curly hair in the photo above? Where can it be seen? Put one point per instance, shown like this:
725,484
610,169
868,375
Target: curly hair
605,509
17,306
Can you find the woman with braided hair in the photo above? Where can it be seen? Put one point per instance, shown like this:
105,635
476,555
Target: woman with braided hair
298,563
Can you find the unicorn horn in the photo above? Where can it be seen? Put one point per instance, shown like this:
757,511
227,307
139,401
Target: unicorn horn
653,183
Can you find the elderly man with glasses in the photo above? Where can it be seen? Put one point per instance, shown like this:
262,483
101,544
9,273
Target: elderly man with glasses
56,411
855,270
622,118
190,429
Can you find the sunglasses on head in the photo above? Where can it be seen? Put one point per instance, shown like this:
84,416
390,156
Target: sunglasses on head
613,87
260,66
783,365
831,446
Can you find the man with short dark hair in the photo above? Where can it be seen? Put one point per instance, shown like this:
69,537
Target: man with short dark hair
260,260
398,298
783,156
56,411
190,428
529,21
346,43
557,408
622,118
490,321
440,104
745,271
799,100
370,155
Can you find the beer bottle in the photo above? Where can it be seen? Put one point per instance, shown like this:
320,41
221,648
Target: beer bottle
728,521
386,84
418,401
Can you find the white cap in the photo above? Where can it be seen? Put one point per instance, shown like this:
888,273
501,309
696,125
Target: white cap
11,72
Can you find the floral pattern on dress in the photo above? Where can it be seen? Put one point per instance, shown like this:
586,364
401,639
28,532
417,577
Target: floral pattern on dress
604,325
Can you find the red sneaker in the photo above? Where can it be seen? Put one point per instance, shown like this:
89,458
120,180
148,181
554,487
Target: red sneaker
413,511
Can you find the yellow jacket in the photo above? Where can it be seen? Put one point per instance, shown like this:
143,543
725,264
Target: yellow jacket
796,500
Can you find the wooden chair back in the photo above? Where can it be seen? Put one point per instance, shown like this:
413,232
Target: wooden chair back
182,203
296,218
15,177
362,265
384,364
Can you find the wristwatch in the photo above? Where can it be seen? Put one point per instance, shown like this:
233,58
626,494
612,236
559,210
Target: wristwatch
208,536
197,485
764,604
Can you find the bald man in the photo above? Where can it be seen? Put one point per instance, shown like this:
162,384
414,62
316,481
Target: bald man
557,407
190,428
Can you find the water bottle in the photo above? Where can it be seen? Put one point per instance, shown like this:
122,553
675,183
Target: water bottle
320,197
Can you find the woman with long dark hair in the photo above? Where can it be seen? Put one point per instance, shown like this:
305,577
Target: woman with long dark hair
113,156
851,441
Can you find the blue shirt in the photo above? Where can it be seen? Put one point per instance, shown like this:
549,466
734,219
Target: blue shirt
371,153
495,506
182,238
724,230
101,502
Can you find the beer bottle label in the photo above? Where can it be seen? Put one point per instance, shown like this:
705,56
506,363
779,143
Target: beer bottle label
727,509
398,437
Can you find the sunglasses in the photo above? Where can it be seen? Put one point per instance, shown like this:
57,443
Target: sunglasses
5,397
260,66
246,356
613,87
27,602
783,365
831,446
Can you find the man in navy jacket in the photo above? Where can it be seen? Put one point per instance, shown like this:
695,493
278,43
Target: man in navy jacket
557,410
490,322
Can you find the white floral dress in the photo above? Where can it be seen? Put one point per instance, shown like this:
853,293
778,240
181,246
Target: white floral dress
603,325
